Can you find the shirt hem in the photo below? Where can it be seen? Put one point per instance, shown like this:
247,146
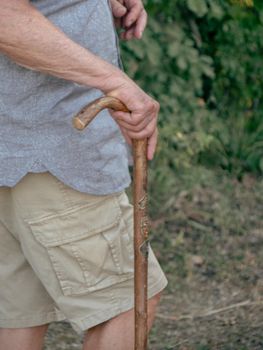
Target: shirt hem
85,189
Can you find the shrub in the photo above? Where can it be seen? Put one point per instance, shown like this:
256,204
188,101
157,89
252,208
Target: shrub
203,61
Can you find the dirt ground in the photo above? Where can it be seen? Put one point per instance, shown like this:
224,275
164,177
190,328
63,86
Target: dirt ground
210,244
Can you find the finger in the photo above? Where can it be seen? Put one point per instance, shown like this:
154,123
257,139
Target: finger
132,15
126,136
128,34
140,25
136,128
121,116
152,144
117,22
135,121
145,133
132,119
118,9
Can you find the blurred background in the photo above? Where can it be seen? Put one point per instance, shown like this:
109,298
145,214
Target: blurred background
203,60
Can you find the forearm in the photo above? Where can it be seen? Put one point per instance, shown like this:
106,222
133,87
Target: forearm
32,41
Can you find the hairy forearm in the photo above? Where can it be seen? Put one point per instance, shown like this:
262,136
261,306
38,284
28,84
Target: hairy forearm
32,41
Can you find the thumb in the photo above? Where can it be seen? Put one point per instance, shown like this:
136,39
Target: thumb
118,9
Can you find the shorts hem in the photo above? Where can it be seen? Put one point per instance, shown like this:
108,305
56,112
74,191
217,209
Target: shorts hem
33,321
81,325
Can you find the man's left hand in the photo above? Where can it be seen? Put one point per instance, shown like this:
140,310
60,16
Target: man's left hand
131,17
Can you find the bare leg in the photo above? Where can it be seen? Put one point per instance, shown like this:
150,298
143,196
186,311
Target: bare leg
118,333
31,338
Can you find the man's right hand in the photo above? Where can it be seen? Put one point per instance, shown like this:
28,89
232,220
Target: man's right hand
141,122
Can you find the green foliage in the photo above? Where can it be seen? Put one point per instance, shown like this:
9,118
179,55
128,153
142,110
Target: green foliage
203,61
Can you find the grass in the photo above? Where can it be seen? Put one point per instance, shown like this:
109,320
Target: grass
211,246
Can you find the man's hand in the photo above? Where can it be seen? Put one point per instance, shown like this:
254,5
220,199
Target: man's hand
142,121
131,17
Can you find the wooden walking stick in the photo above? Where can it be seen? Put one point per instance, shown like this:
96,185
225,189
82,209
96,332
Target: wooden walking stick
141,226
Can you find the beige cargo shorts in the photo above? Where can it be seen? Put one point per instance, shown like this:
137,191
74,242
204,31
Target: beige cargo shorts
66,255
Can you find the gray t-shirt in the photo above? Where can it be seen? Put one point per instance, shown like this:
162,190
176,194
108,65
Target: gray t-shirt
36,111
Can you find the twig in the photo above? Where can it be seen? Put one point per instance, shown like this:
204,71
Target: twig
210,312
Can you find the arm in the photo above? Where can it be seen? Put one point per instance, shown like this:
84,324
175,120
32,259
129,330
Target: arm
32,41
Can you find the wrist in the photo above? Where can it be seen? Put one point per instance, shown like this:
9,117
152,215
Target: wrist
103,75
113,79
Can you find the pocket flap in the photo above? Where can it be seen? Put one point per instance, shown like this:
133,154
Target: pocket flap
76,223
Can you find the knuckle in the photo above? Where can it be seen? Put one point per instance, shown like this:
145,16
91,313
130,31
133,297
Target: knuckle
153,106
157,106
153,109
149,106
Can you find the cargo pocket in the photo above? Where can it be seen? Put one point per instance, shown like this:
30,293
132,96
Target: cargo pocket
89,247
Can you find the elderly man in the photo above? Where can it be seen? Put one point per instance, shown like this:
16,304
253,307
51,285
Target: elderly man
65,221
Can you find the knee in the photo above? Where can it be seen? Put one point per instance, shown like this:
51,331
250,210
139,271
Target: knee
155,299
153,303
152,307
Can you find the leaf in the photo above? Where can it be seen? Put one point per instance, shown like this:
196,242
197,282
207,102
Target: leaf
216,10
199,7
174,49
182,63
